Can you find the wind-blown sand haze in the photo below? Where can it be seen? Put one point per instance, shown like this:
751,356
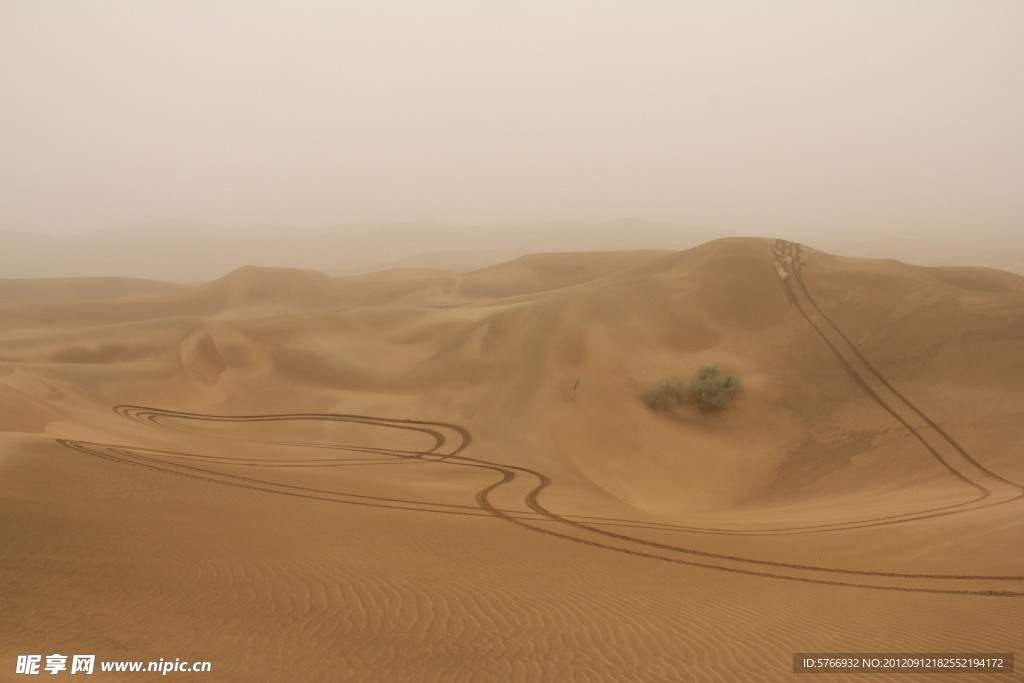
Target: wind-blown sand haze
536,341
421,474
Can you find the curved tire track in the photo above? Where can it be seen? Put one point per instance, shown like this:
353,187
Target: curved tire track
511,479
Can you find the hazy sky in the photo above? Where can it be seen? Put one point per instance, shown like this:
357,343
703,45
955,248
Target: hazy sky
755,117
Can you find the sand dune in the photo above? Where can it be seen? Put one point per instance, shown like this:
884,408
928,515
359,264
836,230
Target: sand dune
991,251
187,252
432,475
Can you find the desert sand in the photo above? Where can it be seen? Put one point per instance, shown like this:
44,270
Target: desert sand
423,474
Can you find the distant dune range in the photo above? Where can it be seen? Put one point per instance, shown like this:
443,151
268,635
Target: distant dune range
178,251
427,474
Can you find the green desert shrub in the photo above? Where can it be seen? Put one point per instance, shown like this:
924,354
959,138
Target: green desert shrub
665,394
711,391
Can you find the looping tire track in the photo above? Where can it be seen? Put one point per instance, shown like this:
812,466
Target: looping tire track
788,266
537,512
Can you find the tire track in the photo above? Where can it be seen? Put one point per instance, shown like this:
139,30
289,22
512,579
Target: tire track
152,417
946,450
511,479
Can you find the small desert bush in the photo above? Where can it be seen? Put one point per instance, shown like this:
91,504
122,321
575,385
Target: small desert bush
710,391
665,394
